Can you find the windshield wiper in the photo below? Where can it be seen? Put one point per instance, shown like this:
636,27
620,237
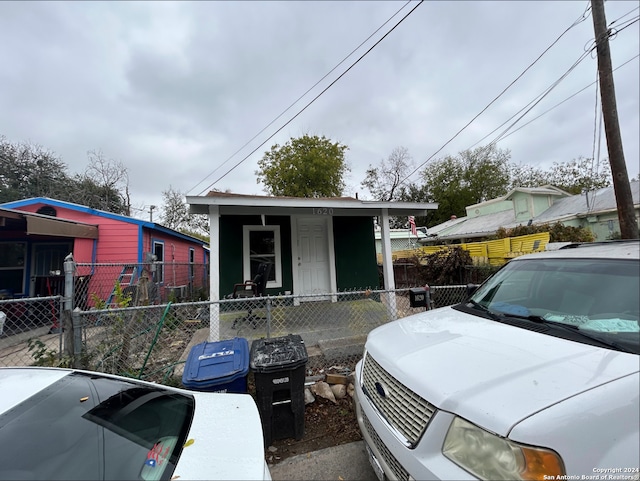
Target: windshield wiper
574,330
493,315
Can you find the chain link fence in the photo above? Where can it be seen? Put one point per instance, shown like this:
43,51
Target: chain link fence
125,285
30,331
152,342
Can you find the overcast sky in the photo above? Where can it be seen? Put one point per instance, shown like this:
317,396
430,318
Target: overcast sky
173,90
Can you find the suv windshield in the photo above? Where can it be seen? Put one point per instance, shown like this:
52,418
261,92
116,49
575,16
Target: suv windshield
597,297
92,427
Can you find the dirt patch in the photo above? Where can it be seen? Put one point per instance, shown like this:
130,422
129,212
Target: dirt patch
325,425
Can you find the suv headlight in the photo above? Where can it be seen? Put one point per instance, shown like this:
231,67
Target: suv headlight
488,456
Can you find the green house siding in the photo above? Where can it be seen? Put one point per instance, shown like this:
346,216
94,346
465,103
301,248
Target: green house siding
355,253
356,265
231,271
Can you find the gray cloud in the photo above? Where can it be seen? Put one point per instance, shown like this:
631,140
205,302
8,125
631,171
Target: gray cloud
173,89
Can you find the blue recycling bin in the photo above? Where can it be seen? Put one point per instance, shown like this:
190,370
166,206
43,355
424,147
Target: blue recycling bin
220,366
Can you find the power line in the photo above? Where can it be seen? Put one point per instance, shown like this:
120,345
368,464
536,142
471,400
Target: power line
622,16
579,20
299,98
565,100
540,98
592,48
314,99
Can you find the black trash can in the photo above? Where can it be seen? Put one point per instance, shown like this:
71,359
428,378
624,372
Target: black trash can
278,366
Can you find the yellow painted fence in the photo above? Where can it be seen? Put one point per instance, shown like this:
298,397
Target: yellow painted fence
494,252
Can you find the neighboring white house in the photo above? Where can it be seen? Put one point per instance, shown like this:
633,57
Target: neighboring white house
401,239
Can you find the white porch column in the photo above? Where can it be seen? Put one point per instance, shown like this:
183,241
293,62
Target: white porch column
387,265
214,273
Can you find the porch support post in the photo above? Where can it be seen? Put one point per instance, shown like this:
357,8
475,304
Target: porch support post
214,273
387,265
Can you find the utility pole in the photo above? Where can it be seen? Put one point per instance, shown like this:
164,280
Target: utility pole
624,199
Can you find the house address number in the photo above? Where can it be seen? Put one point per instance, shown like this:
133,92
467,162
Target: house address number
322,211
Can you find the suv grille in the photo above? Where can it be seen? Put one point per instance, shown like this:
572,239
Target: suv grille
404,410
389,458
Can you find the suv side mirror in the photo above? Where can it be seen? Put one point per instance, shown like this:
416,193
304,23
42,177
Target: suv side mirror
471,288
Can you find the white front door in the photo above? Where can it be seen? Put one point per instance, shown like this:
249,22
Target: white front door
313,256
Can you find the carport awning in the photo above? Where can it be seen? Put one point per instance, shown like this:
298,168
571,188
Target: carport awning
40,225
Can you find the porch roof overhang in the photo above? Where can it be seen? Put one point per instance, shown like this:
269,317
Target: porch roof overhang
42,225
240,204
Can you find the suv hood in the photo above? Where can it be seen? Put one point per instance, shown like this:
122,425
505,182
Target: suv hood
464,364
227,440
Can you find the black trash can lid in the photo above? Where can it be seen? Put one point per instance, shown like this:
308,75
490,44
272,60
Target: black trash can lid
286,352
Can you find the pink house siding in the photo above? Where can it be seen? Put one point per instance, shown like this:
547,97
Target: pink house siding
124,241
118,242
83,250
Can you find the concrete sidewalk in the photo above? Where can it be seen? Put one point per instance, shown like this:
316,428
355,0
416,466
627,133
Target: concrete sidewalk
347,462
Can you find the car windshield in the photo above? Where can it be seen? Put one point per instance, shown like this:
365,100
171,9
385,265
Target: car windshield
91,427
598,297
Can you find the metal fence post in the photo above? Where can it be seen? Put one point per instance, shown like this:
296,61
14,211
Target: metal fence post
268,317
67,320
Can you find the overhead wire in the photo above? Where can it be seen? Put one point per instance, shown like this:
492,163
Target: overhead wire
505,134
596,138
622,16
595,157
532,103
320,94
540,98
565,100
579,20
627,24
300,97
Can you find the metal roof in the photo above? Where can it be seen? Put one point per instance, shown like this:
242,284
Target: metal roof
564,208
598,201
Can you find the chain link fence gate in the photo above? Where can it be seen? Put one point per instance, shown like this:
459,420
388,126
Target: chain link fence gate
31,331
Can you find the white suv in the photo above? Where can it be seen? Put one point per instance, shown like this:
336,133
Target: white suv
536,376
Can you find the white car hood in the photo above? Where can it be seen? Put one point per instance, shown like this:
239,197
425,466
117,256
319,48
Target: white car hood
225,440
490,373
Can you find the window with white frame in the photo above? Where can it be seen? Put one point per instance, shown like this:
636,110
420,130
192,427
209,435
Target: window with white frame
261,244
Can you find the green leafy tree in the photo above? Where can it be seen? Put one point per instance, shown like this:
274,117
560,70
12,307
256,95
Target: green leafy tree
28,170
472,177
575,176
308,166
412,192
579,175
525,175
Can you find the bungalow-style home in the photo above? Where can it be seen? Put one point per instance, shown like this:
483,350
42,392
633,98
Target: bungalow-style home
323,245
37,234
595,210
